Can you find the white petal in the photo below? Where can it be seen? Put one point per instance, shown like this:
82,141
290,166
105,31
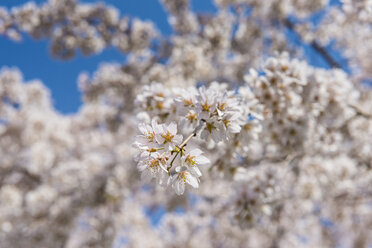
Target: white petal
204,134
142,128
192,180
155,155
234,128
154,124
159,139
181,168
179,187
177,139
202,160
172,128
195,152
142,140
158,129
216,135
163,178
163,167
195,171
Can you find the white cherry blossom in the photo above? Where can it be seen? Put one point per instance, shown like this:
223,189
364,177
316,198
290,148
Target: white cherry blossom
167,135
181,178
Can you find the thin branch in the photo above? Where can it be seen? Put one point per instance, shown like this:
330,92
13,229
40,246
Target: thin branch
180,148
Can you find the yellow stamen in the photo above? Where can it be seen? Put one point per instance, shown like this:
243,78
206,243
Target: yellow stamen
150,135
206,106
210,126
188,102
221,106
167,137
190,160
191,116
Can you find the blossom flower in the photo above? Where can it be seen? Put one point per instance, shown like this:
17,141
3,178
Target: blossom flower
206,104
193,159
226,104
167,135
182,177
231,122
214,130
186,101
153,166
147,138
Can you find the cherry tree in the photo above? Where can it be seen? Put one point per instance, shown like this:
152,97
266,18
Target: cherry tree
226,127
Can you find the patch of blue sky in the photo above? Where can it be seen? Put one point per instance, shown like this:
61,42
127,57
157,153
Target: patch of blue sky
326,222
205,6
155,214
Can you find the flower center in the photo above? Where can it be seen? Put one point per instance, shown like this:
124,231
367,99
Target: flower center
154,163
206,106
210,126
190,160
150,135
167,137
187,102
191,116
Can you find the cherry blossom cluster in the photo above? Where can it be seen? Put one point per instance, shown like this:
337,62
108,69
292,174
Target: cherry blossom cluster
161,150
216,107
211,114
215,113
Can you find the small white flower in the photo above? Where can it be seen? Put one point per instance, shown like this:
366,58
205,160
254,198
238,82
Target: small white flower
231,122
167,135
182,177
153,166
145,151
186,101
213,129
226,104
206,104
148,134
193,159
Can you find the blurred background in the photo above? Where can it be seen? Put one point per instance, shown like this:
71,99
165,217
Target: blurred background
61,76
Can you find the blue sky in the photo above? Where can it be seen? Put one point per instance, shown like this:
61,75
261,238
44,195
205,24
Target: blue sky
32,57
